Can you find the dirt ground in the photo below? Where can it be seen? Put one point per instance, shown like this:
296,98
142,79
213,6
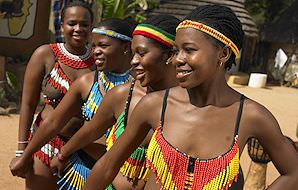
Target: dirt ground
281,101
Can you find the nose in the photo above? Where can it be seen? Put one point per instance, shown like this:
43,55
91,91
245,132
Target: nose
97,51
77,27
179,58
135,61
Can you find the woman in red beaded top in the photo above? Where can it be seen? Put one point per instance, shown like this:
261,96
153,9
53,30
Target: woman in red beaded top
201,126
51,70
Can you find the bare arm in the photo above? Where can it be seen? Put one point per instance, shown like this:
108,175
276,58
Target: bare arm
99,124
51,126
138,127
34,75
281,151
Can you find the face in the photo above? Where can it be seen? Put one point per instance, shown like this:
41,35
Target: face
148,61
76,26
108,52
196,58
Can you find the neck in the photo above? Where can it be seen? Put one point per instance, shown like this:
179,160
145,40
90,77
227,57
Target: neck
166,82
211,92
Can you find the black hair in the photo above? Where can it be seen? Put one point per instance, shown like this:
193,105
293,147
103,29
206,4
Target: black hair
165,22
222,19
77,4
118,25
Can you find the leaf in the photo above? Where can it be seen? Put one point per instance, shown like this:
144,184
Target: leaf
12,80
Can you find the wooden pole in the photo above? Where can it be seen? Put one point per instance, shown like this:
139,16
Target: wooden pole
256,176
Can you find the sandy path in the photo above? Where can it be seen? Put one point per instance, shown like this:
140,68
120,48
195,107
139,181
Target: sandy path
281,101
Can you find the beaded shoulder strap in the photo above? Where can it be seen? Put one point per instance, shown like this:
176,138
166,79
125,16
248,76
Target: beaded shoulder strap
128,101
164,107
239,114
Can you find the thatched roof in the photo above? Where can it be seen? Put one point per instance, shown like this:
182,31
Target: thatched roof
180,8
285,28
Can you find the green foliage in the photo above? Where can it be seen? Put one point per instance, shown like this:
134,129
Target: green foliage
12,80
125,9
265,11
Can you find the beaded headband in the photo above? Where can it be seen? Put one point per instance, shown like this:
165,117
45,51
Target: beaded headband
155,33
112,34
211,31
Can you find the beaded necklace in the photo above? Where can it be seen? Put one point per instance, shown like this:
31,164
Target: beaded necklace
107,80
71,60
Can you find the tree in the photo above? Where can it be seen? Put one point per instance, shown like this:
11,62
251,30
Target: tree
126,8
266,11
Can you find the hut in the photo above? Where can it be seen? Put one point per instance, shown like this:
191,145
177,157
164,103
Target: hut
180,8
281,33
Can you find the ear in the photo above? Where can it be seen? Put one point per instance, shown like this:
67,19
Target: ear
225,54
127,48
61,27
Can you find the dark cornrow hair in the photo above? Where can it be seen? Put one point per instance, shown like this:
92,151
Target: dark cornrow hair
77,4
165,22
118,25
222,19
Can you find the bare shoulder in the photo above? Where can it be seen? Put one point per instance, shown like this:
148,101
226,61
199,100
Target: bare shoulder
258,118
87,78
42,55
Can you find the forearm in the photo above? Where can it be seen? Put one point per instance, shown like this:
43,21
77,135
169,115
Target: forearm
86,135
25,122
45,133
285,182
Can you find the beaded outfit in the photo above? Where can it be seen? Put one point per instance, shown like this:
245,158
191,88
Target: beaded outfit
178,171
60,82
80,164
134,167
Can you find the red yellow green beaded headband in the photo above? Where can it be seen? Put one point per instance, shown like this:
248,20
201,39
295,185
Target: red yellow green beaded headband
155,33
211,31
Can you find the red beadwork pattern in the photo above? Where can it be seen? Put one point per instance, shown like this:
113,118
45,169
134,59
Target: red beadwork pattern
73,61
59,80
171,167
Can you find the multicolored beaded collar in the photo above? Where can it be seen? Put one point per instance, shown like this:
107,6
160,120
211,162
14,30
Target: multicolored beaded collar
155,33
111,33
211,31
71,60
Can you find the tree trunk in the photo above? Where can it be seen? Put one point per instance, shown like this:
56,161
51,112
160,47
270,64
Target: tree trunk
256,176
2,72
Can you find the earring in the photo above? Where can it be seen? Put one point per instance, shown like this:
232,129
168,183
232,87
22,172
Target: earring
220,64
125,52
168,61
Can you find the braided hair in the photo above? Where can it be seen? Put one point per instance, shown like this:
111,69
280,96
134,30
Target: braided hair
165,22
118,25
222,19
77,4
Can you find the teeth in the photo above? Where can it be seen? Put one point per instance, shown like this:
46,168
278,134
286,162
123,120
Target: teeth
185,72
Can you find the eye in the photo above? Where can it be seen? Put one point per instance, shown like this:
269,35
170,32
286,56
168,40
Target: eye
189,49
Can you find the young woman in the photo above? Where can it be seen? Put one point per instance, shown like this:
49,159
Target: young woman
112,56
152,48
202,126
51,70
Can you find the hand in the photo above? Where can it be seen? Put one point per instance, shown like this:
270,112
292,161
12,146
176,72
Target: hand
19,166
58,166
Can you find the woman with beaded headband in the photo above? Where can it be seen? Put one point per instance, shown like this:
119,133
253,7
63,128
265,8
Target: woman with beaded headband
152,48
51,70
201,126
112,55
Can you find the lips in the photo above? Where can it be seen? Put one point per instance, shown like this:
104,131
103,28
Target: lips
77,37
140,74
182,73
99,62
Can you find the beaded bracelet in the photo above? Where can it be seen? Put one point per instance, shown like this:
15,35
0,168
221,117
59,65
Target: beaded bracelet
19,153
23,142
61,157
